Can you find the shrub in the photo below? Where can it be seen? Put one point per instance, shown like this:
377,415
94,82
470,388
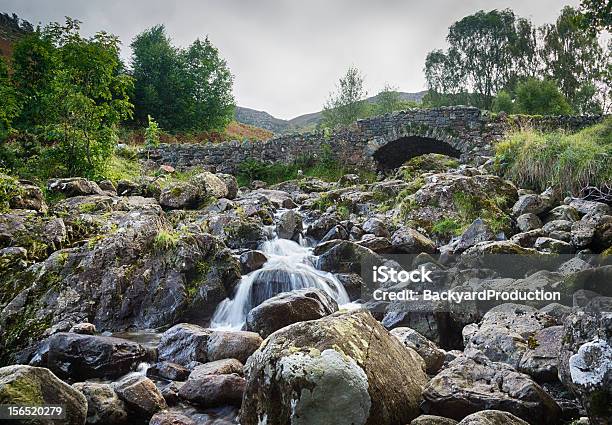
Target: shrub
567,161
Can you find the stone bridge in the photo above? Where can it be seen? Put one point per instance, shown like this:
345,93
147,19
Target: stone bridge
382,143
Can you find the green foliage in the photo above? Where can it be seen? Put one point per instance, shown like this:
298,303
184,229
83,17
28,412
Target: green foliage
346,104
503,102
185,89
388,100
166,239
121,168
567,161
152,133
537,97
447,227
9,188
10,105
597,15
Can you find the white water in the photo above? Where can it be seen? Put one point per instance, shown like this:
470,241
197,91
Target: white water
289,267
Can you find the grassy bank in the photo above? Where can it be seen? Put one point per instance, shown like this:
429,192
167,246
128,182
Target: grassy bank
567,161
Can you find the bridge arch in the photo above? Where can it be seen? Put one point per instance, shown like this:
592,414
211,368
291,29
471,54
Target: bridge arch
394,153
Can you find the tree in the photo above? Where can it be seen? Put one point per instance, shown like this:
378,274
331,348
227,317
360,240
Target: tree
503,103
184,89
10,105
597,15
540,97
388,100
346,104
572,57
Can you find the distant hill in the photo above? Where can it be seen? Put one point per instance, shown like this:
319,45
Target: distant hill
304,122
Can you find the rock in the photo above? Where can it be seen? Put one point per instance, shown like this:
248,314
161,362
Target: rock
492,417
180,195
289,225
472,383
27,385
218,367
252,260
107,186
170,392
29,197
184,343
353,284
409,241
232,345
171,418
349,180
534,204
477,232
209,184
301,369
169,370
38,235
433,356
319,228
258,184
563,212
557,311
540,359
557,226
589,207
346,257
376,227
81,357
214,390
74,186
527,239
553,246
140,394
230,183
528,221
84,329
433,420
585,361
504,332
337,232
104,407
290,307
376,244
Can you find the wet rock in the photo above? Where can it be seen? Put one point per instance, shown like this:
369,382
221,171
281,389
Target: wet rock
252,260
553,246
319,228
289,225
353,284
492,417
540,359
218,367
140,394
433,420
585,361
302,368
27,385
433,356
81,357
410,241
347,257
290,307
337,232
74,186
534,204
376,227
169,370
376,244
84,329
472,383
184,343
232,345
214,390
104,407
171,418
528,221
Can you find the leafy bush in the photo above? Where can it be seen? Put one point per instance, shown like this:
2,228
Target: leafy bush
567,161
9,188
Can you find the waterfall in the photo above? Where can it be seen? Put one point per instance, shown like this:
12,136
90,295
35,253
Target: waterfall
290,266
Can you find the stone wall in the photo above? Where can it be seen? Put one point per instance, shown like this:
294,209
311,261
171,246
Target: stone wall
467,131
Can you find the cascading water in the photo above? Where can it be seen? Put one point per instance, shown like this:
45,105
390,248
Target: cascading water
289,267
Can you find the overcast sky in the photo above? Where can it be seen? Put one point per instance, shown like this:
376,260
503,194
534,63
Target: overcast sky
286,55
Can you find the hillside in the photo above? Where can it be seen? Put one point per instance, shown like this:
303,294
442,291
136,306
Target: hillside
11,28
304,122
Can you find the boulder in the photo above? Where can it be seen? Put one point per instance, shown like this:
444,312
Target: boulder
232,345
180,195
433,420
540,360
376,227
184,343
431,354
27,385
346,257
528,221
319,228
171,418
169,370
563,212
84,328
290,307
553,246
74,186
230,183
472,383
218,367
252,260
140,394
492,417
377,244
29,197
409,241
209,184
81,357
333,371
214,390
527,239
585,207
289,225
104,407
534,204
477,232
335,233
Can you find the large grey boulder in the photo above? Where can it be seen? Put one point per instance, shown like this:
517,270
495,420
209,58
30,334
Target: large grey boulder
140,394
528,221
74,186
290,307
534,204
333,371
472,383
214,390
409,241
209,184
81,357
540,360
492,417
289,225
431,354
232,345
104,407
34,386
184,343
